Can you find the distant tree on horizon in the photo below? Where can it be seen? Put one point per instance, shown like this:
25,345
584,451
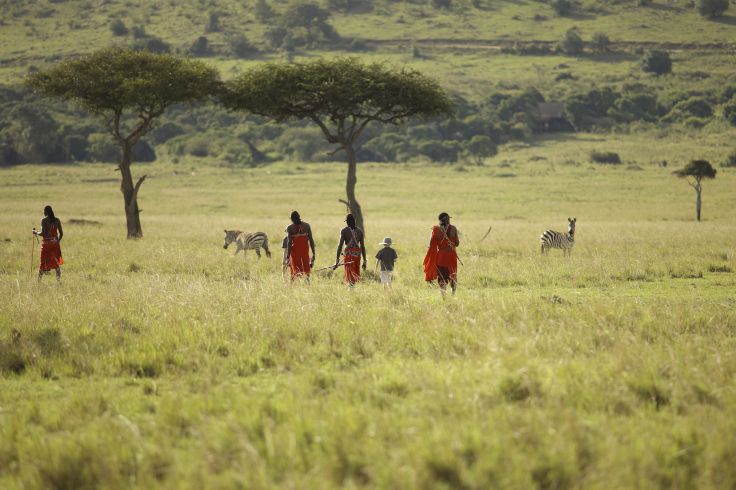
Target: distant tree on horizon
698,170
128,90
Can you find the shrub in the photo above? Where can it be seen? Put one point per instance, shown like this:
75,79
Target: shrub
118,28
729,112
139,32
200,47
440,151
712,8
730,160
573,44
102,148
601,42
165,132
213,23
608,157
152,44
442,4
562,7
275,36
263,11
657,62
350,5
240,47
481,147
693,107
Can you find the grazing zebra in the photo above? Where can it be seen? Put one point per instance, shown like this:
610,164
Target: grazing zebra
247,241
555,239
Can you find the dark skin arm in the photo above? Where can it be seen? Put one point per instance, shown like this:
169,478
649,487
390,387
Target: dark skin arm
362,250
311,245
339,251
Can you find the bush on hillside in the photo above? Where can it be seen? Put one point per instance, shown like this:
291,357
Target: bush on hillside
573,44
275,36
562,7
712,8
350,6
239,46
442,4
636,107
608,157
165,132
138,32
657,62
152,44
263,11
213,23
200,47
693,107
730,160
481,147
601,42
118,28
440,151
729,112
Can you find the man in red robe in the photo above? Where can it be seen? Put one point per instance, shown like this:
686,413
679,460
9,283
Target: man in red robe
52,233
441,260
352,237
299,241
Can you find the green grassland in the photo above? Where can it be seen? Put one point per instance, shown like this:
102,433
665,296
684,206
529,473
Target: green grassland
168,362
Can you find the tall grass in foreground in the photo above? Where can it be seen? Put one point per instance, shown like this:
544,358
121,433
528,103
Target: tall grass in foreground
167,362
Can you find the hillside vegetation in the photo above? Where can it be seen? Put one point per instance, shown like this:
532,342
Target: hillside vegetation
499,59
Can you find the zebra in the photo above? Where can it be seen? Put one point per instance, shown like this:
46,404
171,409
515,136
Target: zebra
247,241
555,239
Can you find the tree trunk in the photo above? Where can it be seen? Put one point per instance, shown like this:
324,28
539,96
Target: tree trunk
130,195
352,179
698,190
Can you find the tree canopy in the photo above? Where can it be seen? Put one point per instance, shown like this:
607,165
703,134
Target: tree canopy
111,81
698,169
342,97
129,90
343,92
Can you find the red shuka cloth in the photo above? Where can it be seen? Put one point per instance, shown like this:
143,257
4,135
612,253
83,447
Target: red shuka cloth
299,255
51,251
441,253
351,258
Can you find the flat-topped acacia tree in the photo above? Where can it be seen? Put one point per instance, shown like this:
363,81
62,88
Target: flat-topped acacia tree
698,170
128,89
342,97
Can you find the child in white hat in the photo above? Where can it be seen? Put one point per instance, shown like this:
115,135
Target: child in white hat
386,258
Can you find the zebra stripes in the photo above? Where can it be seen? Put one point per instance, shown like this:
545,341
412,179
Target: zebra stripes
247,241
555,239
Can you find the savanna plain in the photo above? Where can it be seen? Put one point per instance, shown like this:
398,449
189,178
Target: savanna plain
169,362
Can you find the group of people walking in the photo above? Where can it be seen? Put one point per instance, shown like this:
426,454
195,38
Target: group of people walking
440,262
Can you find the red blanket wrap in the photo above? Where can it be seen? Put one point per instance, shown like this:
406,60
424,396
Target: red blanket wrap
299,255
441,254
51,251
351,258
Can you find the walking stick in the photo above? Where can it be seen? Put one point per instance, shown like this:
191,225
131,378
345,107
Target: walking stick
33,248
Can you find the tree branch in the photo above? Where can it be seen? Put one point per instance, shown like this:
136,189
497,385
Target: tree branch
137,187
330,137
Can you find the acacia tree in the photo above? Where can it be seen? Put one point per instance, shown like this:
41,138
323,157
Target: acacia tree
698,170
128,90
340,96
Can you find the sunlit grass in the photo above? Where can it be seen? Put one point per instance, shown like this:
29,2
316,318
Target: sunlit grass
169,362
